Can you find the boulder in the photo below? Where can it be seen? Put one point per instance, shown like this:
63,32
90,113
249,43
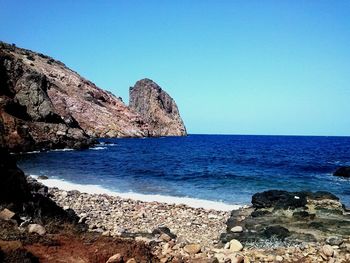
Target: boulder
279,199
343,171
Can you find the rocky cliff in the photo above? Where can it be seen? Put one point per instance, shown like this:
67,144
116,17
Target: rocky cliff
157,108
27,115
44,104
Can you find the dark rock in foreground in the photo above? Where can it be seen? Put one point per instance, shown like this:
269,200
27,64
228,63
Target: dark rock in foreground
291,217
343,171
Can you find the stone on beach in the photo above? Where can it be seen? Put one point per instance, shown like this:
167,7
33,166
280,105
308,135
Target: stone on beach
237,229
117,258
6,214
36,228
334,241
235,245
192,248
327,250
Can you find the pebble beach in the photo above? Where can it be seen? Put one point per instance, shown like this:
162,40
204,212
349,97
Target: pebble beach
197,231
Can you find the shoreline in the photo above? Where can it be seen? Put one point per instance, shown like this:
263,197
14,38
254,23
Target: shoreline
205,231
169,200
124,217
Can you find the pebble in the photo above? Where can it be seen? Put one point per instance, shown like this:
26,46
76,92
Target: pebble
235,245
192,248
120,215
197,230
237,229
279,258
327,250
36,228
165,237
117,258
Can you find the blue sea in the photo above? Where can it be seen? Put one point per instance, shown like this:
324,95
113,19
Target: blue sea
220,168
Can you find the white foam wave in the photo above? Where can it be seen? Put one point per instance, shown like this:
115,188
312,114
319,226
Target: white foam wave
108,144
62,150
98,148
97,189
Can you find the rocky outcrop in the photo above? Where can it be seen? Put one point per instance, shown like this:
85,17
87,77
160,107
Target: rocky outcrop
44,104
29,119
290,217
157,108
343,171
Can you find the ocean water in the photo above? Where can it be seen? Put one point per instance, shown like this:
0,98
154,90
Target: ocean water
227,169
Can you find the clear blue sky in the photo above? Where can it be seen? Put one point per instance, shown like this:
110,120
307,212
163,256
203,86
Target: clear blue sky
234,67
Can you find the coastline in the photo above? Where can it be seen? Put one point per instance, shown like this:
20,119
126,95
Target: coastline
170,200
200,229
112,215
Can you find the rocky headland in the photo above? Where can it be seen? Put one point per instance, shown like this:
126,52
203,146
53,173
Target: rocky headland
46,105
157,108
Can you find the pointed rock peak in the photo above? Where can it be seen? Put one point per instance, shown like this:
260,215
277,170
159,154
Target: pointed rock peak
157,108
146,84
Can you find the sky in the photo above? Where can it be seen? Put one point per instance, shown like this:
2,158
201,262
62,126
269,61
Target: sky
233,67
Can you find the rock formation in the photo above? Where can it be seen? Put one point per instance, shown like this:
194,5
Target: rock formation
290,217
343,171
44,104
157,108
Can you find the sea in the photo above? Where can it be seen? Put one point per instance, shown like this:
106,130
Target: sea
211,171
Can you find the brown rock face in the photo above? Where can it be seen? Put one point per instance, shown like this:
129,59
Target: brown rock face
44,104
157,108
27,115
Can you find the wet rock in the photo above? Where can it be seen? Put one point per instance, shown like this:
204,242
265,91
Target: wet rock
334,241
235,245
276,231
303,215
36,228
192,248
43,177
258,213
343,171
279,199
